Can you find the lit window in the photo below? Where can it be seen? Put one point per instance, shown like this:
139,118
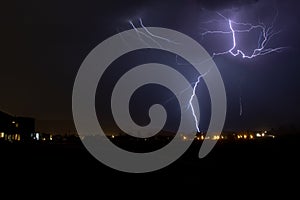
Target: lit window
2,135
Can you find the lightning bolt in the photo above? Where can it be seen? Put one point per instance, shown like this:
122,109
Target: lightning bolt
266,33
149,35
192,97
155,36
191,104
146,33
139,33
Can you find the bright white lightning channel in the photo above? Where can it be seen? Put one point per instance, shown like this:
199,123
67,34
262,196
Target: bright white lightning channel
266,34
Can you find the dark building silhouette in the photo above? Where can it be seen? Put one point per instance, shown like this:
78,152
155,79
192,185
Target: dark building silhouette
13,128
5,122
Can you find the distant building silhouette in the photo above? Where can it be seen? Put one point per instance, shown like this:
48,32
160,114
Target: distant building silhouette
13,128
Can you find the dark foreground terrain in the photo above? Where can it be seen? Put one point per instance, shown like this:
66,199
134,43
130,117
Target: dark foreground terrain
256,165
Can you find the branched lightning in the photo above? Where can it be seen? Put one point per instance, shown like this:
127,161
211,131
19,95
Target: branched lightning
149,35
155,36
146,33
192,97
139,33
266,34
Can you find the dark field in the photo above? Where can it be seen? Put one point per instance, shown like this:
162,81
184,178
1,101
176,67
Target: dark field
256,165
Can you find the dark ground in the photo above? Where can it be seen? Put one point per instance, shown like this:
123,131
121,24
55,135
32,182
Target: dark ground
246,166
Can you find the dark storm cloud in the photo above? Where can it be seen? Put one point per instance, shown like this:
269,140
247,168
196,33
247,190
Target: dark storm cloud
227,4
43,43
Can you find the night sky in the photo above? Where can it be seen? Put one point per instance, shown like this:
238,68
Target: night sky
43,44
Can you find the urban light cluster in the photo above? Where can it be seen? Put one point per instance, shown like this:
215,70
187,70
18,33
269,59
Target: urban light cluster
202,137
237,136
216,136
16,137
10,137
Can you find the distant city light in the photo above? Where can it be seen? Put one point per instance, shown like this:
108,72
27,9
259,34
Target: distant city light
37,136
258,135
216,137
